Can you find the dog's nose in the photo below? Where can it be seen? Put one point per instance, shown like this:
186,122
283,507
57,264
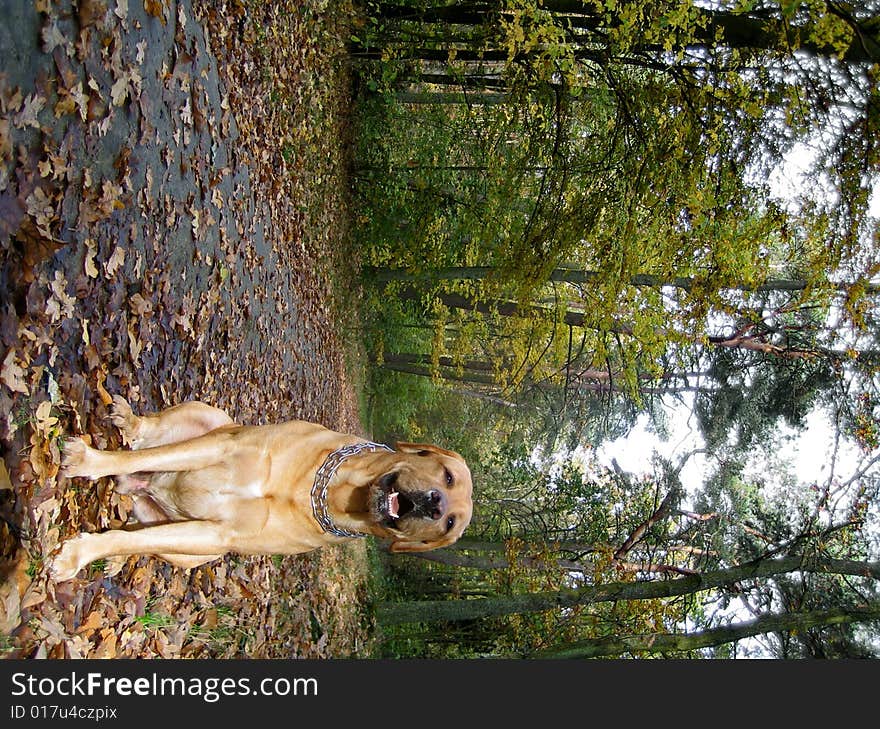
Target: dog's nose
436,505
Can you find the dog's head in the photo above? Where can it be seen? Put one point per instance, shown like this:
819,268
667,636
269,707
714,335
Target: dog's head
425,500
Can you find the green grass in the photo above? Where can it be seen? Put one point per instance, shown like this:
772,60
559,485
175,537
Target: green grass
155,621
97,567
35,566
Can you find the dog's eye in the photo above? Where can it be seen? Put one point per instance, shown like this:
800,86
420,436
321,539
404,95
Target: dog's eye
450,522
449,478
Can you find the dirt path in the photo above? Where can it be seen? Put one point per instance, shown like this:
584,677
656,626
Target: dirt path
170,195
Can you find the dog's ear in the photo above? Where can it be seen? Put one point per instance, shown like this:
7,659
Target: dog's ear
406,546
419,448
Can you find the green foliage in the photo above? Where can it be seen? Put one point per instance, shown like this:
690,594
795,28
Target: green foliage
393,400
500,146
867,423
754,395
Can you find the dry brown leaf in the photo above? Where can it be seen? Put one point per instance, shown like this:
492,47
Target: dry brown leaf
66,105
5,481
61,304
156,8
135,345
52,36
91,12
93,621
33,595
109,201
119,90
53,628
121,10
107,646
91,270
44,420
27,117
12,374
117,258
105,396
140,306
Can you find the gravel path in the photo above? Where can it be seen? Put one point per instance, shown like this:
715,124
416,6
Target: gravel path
160,238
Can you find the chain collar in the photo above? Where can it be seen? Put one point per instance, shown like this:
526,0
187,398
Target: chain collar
322,481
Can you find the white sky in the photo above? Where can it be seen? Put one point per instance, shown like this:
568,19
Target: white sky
808,451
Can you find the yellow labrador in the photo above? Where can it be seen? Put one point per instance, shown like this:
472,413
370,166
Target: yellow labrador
203,486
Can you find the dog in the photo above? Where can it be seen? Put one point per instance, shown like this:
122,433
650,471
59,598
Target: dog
203,486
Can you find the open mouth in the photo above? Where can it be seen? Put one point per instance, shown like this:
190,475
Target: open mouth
398,505
392,503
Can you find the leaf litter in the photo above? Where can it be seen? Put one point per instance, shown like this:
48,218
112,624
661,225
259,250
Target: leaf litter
171,227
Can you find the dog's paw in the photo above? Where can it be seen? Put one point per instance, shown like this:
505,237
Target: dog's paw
113,565
122,416
69,560
75,459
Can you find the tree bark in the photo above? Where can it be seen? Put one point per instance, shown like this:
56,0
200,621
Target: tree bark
565,274
720,29
468,376
392,613
662,643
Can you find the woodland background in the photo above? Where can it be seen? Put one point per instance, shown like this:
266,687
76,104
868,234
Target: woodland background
516,229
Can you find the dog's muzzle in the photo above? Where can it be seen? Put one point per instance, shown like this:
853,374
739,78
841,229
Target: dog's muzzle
396,504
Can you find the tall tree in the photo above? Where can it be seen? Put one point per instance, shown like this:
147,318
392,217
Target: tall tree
786,623
427,611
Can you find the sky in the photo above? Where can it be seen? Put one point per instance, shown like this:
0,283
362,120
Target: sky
809,451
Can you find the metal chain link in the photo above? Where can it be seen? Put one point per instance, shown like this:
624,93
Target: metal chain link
322,482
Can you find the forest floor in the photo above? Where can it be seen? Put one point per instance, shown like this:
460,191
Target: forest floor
172,219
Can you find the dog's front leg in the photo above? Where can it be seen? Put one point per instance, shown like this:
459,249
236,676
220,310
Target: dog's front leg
80,459
187,538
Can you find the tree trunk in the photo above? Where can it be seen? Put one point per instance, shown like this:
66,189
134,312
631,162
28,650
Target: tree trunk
746,340
392,613
720,29
426,359
466,376
662,643
565,274
498,562
450,99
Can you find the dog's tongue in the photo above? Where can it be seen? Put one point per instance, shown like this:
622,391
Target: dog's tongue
392,504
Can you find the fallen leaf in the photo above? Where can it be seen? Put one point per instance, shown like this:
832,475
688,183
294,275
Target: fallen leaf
61,304
156,8
34,595
121,10
93,621
135,345
107,646
119,90
105,396
91,270
10,607
12,374
27,117
44,420
117,258
52,36
5,481
140,306
90,12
